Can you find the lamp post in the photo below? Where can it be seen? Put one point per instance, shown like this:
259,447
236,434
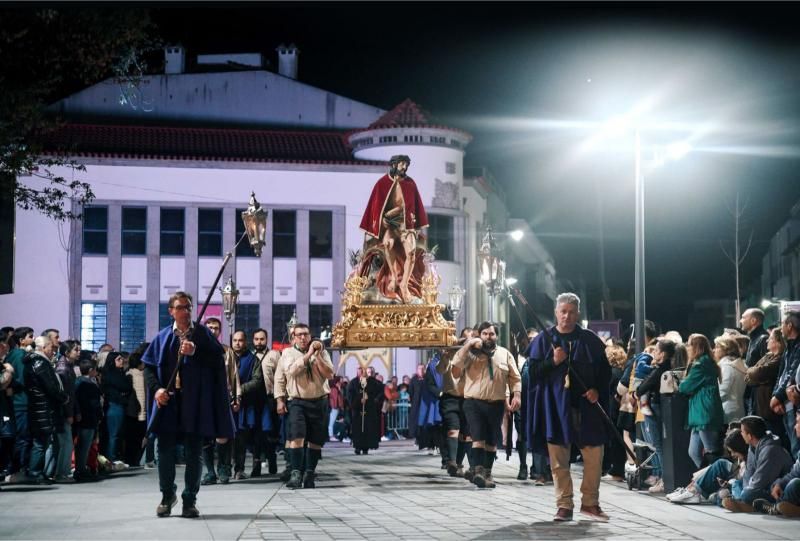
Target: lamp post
456,299
230,299
639,290
492,268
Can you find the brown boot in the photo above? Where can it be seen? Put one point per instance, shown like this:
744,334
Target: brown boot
478,478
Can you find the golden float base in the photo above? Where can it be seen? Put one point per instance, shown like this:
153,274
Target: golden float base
390,325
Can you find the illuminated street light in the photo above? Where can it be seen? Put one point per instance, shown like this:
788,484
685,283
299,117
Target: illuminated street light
516,235
510,281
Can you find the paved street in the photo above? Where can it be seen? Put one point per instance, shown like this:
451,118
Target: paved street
396,492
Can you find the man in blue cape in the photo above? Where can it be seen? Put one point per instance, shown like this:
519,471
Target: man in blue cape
195,407
562,412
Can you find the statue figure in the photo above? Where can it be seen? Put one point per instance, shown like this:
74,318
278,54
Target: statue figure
393,221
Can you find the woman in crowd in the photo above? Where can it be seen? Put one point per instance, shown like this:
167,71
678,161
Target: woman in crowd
614,457
116,387
662,361
701,384
761,378
732,369
136,412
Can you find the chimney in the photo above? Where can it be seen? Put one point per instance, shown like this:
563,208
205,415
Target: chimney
174,59
287,60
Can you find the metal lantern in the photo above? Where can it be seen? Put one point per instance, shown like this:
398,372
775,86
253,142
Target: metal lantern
291,323
456,296
255,224
493,268
230,298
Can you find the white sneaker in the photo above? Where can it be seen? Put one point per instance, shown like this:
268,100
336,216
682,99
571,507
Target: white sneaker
346,440
677,492
657,488
384,438
687,497
18,477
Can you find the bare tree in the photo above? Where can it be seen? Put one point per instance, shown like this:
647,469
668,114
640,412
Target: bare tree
739,254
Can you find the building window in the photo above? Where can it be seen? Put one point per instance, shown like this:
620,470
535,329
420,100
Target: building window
319,317
209,232
284,233
94,320
440,234
134,231
131,325
450,168
247,319
95,230
244,249
281,314
164,319
438,140
320,232
387,139
172,231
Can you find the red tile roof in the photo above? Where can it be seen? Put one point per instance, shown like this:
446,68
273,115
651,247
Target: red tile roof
189,143
407,115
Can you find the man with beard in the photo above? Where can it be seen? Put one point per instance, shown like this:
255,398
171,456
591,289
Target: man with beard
451,404
489,370
248,428
394,216
302,378
569,375
270,422
752,323
224,450
364,394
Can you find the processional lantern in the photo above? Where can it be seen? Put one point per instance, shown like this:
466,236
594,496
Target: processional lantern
456,297
255,224
230,299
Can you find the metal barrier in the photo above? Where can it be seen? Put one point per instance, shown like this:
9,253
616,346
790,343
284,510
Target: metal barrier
397,418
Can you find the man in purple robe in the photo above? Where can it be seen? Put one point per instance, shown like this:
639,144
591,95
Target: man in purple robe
568,378
196,406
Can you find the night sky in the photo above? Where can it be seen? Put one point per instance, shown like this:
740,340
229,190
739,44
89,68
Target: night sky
533,81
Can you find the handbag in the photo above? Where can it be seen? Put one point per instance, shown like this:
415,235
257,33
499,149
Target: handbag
670,381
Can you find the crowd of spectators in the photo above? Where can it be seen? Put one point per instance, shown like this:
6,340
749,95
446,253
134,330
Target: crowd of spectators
68,414
743,405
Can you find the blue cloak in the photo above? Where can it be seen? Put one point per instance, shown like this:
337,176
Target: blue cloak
202,406
250,415
559,415
429,403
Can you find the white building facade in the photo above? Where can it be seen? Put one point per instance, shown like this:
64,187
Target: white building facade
171,176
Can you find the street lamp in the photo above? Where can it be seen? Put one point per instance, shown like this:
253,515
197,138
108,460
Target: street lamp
492,268
456,297
230,299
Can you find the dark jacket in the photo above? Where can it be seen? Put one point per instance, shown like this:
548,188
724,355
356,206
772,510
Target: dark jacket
786,374
117,386
757,347
46,398
87,397
66,373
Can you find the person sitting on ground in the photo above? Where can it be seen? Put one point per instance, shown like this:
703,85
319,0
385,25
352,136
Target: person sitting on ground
713,483
785,491
767,461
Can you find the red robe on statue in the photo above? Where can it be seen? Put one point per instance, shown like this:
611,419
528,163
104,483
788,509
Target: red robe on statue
415,216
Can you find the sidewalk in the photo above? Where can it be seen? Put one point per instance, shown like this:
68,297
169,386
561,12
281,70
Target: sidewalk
395,492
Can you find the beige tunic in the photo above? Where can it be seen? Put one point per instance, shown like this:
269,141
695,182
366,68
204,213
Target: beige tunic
450,385
474,369
268,366
292,377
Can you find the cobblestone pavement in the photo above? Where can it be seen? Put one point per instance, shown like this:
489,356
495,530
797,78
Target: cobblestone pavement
397,492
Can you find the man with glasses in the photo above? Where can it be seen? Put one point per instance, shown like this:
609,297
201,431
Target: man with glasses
195,403
302,378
